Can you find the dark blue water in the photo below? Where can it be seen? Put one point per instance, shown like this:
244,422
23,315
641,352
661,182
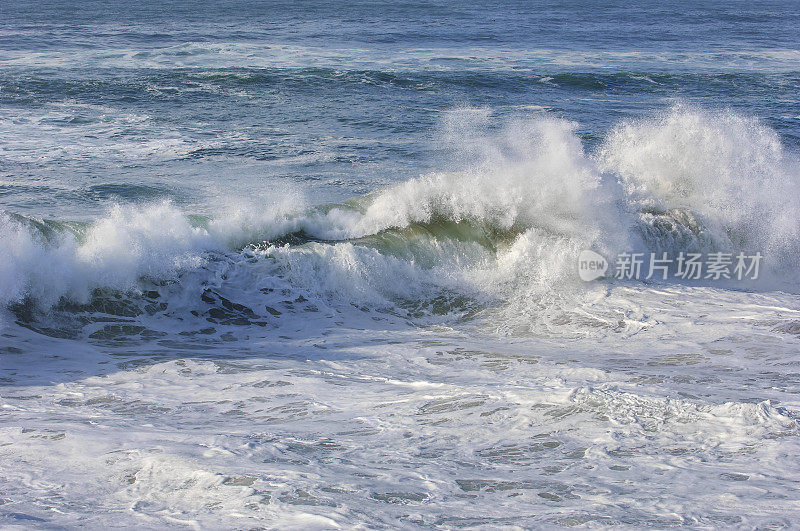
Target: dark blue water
337,99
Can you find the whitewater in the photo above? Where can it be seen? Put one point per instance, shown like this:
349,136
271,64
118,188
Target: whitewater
428,342
317,266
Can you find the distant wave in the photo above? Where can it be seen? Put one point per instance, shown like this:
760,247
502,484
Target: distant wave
264,55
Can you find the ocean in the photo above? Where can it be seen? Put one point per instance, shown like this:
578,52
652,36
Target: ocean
316,265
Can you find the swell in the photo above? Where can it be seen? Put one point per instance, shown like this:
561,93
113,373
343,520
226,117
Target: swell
503,227
199,84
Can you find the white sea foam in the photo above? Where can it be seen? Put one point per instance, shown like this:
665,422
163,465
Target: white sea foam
115,252
377,427
506,223
730,171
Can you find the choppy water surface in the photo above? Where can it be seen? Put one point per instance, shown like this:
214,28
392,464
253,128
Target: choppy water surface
315,266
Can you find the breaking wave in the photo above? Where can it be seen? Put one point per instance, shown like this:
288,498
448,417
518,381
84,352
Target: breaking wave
502,228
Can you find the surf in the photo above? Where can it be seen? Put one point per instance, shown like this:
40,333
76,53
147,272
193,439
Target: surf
502,228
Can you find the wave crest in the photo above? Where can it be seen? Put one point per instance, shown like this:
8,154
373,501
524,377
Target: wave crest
506,223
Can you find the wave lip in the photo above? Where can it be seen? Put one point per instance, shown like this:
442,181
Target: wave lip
115,252
506,224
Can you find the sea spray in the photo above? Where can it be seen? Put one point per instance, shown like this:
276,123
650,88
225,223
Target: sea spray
507,224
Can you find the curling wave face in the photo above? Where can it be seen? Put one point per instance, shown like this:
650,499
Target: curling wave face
497,236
